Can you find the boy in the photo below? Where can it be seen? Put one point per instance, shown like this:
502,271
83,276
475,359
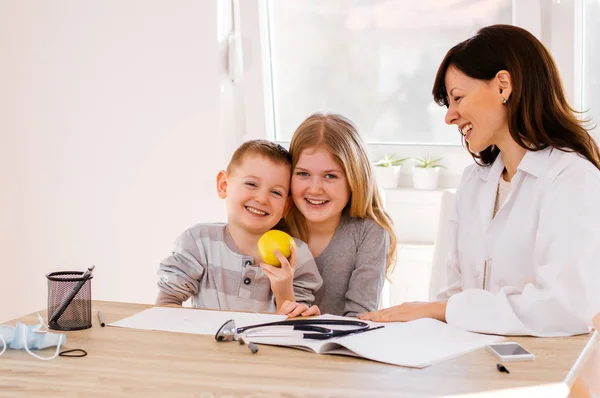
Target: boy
216,264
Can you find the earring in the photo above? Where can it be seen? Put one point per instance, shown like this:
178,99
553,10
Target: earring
503,100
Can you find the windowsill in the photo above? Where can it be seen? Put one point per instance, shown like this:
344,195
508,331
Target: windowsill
415,245
412,195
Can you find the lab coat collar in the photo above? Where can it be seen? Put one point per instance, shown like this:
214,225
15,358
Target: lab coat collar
492,172
532,163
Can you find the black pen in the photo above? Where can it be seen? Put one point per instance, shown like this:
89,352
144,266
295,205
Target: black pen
70,296
101,319
501,368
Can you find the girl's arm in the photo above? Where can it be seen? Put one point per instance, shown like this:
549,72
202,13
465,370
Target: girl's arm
366,281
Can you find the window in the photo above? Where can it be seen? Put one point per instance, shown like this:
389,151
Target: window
373,61
591,62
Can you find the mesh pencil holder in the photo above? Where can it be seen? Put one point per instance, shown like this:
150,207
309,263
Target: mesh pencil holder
69,300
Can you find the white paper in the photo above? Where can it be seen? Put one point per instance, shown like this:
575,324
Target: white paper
185,320
416,344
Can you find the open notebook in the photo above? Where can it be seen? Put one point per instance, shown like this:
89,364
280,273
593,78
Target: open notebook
415,344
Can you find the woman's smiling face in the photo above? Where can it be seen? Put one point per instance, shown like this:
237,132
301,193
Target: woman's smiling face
476,107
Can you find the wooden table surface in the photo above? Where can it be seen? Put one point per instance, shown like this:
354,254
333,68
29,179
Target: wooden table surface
126,362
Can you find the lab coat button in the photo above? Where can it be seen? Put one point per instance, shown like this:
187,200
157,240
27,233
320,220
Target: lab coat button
248,263
476,273
247,281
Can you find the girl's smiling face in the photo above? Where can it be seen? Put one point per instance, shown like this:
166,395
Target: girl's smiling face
320,188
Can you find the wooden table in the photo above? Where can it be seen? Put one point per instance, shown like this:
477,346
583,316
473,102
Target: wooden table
126,362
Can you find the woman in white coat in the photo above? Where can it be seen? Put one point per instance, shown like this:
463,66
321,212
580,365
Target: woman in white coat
525,235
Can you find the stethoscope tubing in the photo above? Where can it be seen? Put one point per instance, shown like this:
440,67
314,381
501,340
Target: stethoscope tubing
309,325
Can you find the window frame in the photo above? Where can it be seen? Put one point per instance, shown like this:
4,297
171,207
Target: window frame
543,18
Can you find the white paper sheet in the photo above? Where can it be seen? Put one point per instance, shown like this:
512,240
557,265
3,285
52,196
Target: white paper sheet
185,320
416,344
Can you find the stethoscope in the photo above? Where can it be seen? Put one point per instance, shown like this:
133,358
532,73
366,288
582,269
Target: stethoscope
229,332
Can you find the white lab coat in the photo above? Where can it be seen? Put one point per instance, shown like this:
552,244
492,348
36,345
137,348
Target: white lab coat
542,249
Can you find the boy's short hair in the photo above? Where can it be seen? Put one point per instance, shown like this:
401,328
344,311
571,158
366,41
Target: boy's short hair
270,150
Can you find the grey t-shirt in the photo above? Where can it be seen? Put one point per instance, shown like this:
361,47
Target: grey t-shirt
353,267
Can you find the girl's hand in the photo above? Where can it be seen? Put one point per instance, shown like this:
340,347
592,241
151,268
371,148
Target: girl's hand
408,312
293,309
282,277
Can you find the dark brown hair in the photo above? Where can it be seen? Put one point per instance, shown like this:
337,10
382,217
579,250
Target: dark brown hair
538,113
274,152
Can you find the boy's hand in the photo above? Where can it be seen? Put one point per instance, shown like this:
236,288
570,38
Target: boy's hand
282,277
293,309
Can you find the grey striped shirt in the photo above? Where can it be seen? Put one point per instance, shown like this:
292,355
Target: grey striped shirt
207,266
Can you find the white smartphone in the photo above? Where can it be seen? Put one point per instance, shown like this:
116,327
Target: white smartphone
510,352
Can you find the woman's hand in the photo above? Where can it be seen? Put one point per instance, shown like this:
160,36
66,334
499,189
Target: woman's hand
408,312
293,309
282,278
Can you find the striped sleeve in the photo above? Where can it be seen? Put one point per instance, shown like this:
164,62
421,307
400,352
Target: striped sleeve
180,273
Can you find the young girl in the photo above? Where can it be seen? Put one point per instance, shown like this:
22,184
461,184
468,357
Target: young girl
524,237
338,211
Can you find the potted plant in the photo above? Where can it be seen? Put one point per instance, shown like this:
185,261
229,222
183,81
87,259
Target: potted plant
425,172
387,171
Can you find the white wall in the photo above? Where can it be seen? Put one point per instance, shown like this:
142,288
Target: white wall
110,139
415,214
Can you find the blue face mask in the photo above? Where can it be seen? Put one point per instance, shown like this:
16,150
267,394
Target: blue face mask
29,338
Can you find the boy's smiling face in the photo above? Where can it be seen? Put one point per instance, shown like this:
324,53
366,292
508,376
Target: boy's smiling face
256,193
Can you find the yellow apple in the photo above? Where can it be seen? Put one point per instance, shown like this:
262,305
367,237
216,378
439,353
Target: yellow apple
274,240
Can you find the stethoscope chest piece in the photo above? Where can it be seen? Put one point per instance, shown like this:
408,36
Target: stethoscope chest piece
228,332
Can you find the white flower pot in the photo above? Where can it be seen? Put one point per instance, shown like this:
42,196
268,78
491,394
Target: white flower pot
387,177
425,178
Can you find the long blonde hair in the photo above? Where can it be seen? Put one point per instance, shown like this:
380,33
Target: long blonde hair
340,137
